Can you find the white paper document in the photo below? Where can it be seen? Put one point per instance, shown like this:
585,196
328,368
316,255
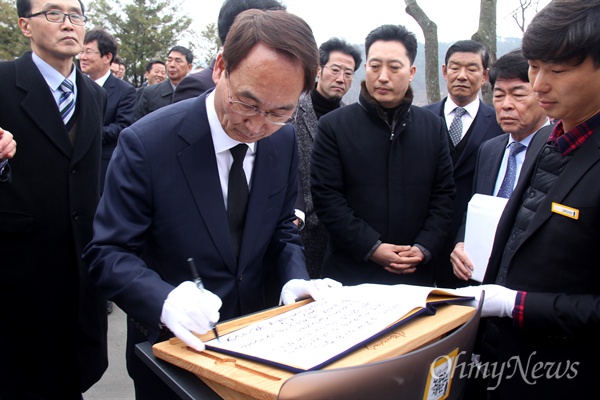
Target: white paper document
483,214
309,336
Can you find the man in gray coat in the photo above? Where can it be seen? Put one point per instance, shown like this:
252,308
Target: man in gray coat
337,62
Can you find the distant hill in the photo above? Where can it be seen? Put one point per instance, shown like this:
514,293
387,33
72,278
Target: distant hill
418,84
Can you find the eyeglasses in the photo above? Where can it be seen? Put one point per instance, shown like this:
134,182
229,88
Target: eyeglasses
89,52
58,17
335,71
246,109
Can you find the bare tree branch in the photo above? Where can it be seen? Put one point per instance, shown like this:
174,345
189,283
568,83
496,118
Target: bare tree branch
486,35
429,28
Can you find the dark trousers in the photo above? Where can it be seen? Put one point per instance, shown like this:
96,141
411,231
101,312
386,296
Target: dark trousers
148,385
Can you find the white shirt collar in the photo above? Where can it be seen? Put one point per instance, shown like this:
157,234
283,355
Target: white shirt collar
221,140
102,80
472,108
527,140
52,76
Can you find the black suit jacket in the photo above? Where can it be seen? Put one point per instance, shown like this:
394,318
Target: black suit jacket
367,187
174,209
153,97
119,115
51,311
484,127
488,164
556,263
194,85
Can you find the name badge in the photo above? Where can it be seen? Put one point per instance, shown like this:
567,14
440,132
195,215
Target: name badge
565,211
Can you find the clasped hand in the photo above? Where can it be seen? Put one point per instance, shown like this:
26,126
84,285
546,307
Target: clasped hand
398,259
188,310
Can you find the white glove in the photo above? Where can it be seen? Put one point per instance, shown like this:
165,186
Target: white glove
299,288
498,301
188,309
327,283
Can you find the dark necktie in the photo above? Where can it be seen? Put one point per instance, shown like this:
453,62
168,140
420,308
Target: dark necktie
456,126
66,103
237,196
508,183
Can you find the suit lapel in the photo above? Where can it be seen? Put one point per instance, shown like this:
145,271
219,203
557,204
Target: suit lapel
109,85
481,124
166,90
584,159
507,219
438,109
199,165
263,163
494,161
88,116
39,97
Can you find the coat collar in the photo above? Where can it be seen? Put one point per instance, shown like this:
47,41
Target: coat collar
40,98
371,105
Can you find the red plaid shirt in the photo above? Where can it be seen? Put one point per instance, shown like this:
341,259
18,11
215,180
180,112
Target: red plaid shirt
571,140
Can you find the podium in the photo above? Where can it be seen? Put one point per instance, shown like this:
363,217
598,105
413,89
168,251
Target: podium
212,375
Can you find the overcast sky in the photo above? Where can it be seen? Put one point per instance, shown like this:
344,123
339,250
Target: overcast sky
354,19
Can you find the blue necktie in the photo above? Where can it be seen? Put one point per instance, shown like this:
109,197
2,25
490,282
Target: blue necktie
456,126
66,103
508,183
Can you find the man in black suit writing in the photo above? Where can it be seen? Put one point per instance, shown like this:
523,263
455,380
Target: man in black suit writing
214,179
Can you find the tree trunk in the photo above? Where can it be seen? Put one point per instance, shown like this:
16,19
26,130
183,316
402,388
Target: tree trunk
429,28
486,35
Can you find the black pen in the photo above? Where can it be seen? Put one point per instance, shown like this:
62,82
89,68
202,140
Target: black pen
200,286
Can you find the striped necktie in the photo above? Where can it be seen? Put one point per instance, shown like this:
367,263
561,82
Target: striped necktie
66,103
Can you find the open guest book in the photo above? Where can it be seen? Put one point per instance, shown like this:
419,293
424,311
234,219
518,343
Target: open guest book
321,332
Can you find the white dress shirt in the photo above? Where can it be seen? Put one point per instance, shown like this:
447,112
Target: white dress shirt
223,143
467,119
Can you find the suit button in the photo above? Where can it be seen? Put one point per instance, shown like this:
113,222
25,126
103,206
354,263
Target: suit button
75,215
74,171
241,277
500,279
